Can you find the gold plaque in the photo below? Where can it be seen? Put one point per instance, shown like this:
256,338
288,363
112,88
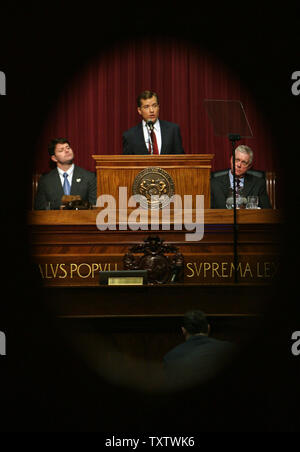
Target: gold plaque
153,187
126,281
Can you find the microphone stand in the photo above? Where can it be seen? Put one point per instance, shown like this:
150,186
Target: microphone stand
233,138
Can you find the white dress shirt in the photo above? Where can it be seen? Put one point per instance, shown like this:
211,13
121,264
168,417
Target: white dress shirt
69,172
157,134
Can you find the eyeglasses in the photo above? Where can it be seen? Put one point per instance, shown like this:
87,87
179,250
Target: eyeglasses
242,162
147,107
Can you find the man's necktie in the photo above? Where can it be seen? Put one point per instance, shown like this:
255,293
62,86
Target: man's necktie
237,184
154,143
66,186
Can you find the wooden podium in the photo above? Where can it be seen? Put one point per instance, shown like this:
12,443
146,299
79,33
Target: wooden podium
190,172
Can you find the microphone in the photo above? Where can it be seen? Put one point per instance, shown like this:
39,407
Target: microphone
150,124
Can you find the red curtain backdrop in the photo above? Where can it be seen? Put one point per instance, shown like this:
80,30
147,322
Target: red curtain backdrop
99,103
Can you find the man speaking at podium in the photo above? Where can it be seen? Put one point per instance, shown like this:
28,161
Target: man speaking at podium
152,136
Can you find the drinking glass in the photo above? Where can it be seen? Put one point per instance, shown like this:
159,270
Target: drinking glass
229,202
240,202
252,202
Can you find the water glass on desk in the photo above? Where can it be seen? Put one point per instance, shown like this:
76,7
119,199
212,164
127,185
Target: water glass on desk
252,202
49,205
229,202
240,202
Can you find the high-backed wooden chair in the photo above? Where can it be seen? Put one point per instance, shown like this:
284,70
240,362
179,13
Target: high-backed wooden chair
35,182
271,187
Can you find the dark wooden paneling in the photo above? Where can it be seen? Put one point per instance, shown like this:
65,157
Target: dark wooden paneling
62,241
158,300
143,323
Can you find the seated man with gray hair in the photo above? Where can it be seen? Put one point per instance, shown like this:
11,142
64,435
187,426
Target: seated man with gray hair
248,183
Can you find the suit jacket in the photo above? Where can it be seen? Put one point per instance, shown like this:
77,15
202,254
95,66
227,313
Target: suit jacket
197,359
50,188
171,143
253,186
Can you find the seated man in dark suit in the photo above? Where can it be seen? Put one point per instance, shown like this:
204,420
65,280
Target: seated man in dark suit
200,357
248,184
65,179
152,136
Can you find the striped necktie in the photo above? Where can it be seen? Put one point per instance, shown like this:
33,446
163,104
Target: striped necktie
237,184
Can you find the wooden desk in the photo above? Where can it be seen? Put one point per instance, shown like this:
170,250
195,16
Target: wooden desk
70,250
144,322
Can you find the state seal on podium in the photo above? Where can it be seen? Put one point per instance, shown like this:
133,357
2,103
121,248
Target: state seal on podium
153,187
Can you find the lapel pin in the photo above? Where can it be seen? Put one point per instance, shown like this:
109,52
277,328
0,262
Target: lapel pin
78,180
